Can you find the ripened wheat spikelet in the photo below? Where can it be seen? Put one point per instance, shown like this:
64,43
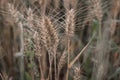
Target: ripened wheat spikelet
49,38
70,23
52,33
54,41
41,56
69,30
96,8
62,61
95,11
44,42
77,72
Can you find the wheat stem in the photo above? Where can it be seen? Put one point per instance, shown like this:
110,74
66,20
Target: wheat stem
77,57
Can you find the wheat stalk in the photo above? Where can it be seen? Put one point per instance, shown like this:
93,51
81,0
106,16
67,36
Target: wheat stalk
54,40
69,31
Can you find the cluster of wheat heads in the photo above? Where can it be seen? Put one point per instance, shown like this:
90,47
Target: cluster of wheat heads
58,39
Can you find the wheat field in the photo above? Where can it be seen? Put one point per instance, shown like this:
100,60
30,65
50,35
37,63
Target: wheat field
59,39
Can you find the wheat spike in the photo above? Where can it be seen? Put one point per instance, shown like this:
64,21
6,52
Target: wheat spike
95,8
70,23
54,41
62,62
77,72
52,33
97,11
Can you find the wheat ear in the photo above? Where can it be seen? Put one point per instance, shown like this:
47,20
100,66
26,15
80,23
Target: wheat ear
69,31
54,41
62,61
95,8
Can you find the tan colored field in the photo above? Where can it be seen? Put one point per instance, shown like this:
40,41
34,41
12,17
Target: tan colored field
59,39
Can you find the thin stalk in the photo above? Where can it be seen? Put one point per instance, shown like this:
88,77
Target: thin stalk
100,29
55,66
77,57
50,69
21,51
41,71
68,59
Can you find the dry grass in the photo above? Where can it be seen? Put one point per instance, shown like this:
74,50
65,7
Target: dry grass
59,40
